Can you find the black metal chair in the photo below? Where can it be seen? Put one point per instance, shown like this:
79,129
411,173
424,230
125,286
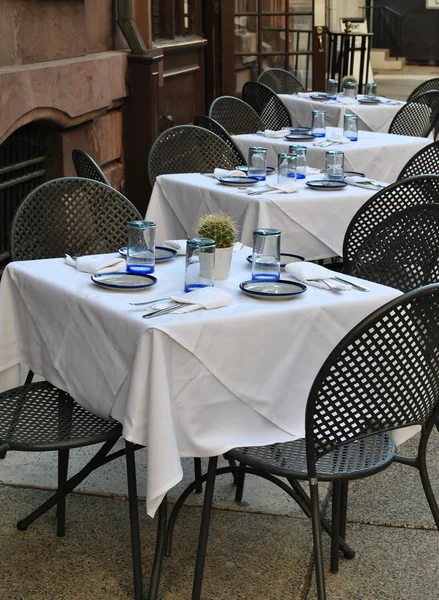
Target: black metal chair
188,149
425,86
215,127
265,102
418,117
424,162
71,216
281,81
86,167
395,198
235,115
383,375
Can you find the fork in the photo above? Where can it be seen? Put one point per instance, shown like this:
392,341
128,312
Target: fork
162,311
331,286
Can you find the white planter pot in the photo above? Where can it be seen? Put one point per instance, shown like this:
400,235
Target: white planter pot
223,259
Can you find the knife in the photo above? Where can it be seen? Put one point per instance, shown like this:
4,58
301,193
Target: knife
357,286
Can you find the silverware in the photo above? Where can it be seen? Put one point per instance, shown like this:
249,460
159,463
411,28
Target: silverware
331,286
163,311
357,286
149,302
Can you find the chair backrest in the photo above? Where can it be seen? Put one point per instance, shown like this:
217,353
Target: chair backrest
425,86
398,196
281,81
215,127
236,116
86,167
188,149
383,375
424,162
417,117
71,216
270,108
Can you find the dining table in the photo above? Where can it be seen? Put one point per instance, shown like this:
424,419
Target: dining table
313,222
371,117
183,385
380,156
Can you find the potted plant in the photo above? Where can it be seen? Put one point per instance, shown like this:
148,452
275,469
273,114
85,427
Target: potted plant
348,79
224,230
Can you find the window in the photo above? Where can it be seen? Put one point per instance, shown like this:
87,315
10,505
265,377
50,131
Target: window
175,18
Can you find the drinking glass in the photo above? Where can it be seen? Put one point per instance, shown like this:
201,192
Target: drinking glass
371,90
350,90
318,126
200,263
332,88
300,152
334,165
266,254
350,127
257,162
286,167
141,247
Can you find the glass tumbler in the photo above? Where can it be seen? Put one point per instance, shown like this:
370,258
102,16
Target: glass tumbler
334,165
371,90
141,247
350,90
200,264
286,167
318,126
257,162
332,88
300,152
350,127
266,254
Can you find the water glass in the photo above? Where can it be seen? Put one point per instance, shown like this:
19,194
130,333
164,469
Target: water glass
350,90
286,167
371,90
350,127
257,162
141,247
300,152
200,264
332,88
266,254
318,126
334,165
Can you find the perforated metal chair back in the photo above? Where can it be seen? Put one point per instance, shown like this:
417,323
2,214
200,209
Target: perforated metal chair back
264,101
281,81
425,86
418,117
403,194
215,127
86,167
236,116
188,149
424,162
71,216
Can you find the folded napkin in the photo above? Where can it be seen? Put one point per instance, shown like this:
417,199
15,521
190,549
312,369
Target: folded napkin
304,271
180,246
97,263
334,138
208,298
305,94
311,171
364,182
277,188
225,173
346,100
271,133
384,100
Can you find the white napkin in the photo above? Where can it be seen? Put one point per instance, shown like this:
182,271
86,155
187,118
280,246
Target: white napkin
180,246
208,298
384,100
364,182
311,171
346,100
225,173
97,263
271,133
277,188
305,94
304,271
336,138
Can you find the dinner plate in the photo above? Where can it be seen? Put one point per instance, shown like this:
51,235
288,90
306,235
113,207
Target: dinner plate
123,281
354,174
299,129
325,184
285,258
279,289
238,180
161,253
321,96
300,137
244,169
367,101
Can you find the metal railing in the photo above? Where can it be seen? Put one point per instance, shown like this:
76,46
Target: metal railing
386,24
349,54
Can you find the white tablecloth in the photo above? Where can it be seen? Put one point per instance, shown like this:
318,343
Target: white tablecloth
183,385
375,117
380,156
313,223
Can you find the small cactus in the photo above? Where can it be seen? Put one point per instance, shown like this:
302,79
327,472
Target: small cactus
348,79
219,227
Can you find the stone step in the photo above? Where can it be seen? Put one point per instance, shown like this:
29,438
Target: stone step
381,60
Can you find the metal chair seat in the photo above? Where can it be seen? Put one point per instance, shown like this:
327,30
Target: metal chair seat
86,167
281,81
350,461
418,117
265,102
236,116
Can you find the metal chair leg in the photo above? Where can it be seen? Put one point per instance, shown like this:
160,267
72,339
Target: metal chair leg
134,521
427,488
198,473
63,466
239,486
204,528
156,571
317,539
343,508
336,497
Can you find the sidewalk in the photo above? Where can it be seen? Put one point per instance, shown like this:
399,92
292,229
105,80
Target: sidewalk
399,84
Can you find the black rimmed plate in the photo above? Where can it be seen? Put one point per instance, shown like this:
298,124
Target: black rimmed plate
269,289
300,137
326,184
285,258
162,254
354,174
367,101
299,129
244,169
123,281
238,181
